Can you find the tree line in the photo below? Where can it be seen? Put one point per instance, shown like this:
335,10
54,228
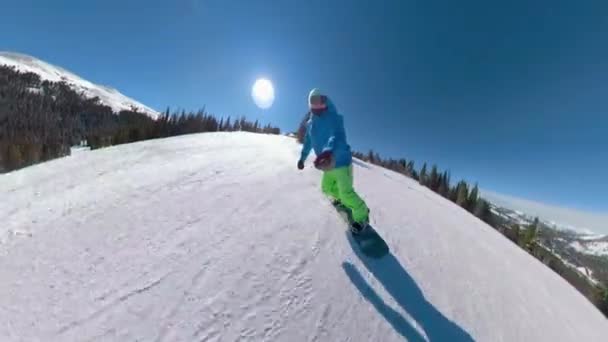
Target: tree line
437,180
128,126
40,120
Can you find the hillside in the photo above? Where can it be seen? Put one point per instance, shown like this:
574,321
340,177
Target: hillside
218,236
41,120
585,252
107,96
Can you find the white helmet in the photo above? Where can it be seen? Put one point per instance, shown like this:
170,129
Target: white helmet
317,101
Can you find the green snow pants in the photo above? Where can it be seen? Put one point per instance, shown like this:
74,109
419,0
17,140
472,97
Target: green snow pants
338,184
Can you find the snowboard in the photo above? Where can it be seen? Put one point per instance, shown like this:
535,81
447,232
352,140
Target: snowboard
369,241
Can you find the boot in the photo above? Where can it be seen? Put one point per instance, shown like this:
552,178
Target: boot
358,227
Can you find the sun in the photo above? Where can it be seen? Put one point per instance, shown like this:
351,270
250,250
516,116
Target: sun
263,93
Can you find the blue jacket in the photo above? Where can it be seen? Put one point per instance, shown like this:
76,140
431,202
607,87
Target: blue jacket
325,132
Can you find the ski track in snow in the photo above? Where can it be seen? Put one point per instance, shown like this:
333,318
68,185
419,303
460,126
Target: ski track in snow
218,237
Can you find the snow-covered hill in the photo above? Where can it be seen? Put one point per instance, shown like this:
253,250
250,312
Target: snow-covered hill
581,240
220,237
597,246
560,218
108,96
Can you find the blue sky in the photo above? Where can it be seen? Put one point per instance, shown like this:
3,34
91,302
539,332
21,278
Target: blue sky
511,94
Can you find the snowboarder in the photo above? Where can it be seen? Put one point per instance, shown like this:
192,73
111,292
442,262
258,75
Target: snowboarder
325,134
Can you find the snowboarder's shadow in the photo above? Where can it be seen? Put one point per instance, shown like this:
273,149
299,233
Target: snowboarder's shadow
400,285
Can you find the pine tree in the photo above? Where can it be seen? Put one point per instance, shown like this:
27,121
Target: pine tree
536,222
442,188
402,166
433,182
531,233
371,157
453,193
445,182
600,299
462,194
472,199
482,211
517,234
529,236
378,159
227,125
410,169
423,176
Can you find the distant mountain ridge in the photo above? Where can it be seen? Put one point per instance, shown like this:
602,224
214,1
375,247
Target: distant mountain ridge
587,252
562,217
587,242
108,96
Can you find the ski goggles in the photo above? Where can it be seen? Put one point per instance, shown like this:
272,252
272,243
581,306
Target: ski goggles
318,102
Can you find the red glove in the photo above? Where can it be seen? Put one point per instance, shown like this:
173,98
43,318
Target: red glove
324,161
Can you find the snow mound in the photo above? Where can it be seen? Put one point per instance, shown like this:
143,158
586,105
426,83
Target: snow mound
108,96
218,236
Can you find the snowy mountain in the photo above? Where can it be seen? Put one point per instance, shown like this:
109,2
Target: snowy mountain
593,246
557,217
584,251
511,216
580,239
218,236
108,96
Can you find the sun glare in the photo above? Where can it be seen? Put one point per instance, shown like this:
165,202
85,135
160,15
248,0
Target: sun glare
263,93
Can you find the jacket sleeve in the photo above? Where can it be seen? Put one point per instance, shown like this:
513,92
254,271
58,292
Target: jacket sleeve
306,147
337,134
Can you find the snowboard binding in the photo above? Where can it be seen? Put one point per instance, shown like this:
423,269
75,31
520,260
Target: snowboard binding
358,228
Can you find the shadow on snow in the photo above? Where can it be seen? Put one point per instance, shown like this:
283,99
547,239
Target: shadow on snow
402,287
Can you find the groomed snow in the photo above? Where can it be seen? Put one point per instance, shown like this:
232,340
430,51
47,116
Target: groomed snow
219,237
108,96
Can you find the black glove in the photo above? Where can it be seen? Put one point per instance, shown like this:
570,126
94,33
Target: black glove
300,164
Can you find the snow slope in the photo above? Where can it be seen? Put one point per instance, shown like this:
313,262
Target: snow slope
108,96
218,237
